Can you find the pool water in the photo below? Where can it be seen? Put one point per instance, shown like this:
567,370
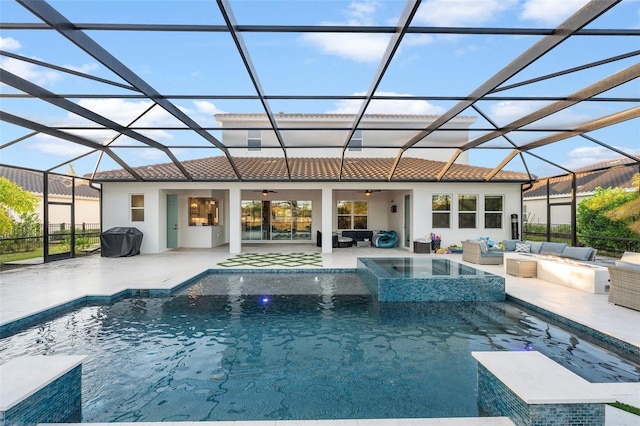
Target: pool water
318,354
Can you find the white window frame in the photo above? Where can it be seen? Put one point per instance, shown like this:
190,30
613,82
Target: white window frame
441,212
352,214
468,212
495,212
254,140
136,208
355,144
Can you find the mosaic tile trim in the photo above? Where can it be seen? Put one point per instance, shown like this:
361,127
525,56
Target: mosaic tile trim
263,260
59,401
497,399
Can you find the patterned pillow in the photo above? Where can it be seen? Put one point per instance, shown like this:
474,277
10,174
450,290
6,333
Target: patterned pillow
522,248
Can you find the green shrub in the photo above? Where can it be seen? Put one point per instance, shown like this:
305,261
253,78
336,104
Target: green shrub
593,220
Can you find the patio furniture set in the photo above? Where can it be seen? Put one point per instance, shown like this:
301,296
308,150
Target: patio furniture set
562,264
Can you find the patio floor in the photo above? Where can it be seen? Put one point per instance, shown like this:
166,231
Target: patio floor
28,290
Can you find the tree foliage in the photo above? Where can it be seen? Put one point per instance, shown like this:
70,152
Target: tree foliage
629,212
14,199
595,217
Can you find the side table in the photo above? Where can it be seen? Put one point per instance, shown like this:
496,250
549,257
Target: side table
521,267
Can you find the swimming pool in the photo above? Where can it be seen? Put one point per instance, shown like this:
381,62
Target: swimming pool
234,347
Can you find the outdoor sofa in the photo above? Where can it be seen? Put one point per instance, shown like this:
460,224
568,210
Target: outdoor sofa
585,254
478,251
624,287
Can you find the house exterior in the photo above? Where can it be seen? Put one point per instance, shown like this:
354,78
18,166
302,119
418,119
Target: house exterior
615,173
87,199
305,196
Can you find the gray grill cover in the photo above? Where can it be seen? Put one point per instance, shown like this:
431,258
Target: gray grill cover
120,242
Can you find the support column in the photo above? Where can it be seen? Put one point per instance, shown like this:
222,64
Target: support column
235,225
327,220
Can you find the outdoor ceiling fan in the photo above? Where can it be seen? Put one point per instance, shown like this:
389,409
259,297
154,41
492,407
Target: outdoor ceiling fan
266,192
368,192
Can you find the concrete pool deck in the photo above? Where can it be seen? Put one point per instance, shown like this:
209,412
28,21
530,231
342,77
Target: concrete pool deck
29,290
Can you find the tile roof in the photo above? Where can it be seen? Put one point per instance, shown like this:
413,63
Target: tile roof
59,185
591,177
311,169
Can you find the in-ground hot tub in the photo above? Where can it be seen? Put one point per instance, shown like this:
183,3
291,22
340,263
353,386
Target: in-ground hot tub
407,279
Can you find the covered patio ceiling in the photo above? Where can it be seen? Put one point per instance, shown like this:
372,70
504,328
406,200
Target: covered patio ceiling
89,87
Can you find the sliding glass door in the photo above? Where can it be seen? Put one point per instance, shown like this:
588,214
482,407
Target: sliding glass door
276,220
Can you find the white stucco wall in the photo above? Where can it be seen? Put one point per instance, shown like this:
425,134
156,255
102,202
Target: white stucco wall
87,210
536,209
116,208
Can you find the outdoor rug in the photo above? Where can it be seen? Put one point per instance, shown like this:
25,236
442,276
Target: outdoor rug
262,260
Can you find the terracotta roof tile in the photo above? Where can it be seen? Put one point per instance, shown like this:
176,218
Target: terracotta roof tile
619,176
32,181
312,169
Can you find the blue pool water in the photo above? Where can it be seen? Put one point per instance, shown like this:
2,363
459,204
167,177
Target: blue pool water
233,347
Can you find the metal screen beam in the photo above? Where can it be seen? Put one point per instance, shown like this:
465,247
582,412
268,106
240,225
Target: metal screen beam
41,93
57,21
227,13
404,21
608,83
41,128
582,17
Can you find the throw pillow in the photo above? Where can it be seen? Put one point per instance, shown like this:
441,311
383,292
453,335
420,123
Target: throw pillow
483,247
522,248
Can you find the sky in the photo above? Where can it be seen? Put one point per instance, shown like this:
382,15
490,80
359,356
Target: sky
312,64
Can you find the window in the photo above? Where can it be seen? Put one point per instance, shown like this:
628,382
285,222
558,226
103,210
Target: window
203,211
441,210
137,208
353,214
467,208
355,144
254,140
276,220
493,211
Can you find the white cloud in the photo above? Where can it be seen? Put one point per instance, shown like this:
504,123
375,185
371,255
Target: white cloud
461,12
508,111
387,107
585,155
550,12
33,73
208,108
9,44
52,146
366,48
357,47
30,72
85,68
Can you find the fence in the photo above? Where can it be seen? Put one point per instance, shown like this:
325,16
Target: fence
59,233
561,233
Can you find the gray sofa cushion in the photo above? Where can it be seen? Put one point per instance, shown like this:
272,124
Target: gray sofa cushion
534,246
631,257
493,253
627,265
577,253
552,248
510,245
